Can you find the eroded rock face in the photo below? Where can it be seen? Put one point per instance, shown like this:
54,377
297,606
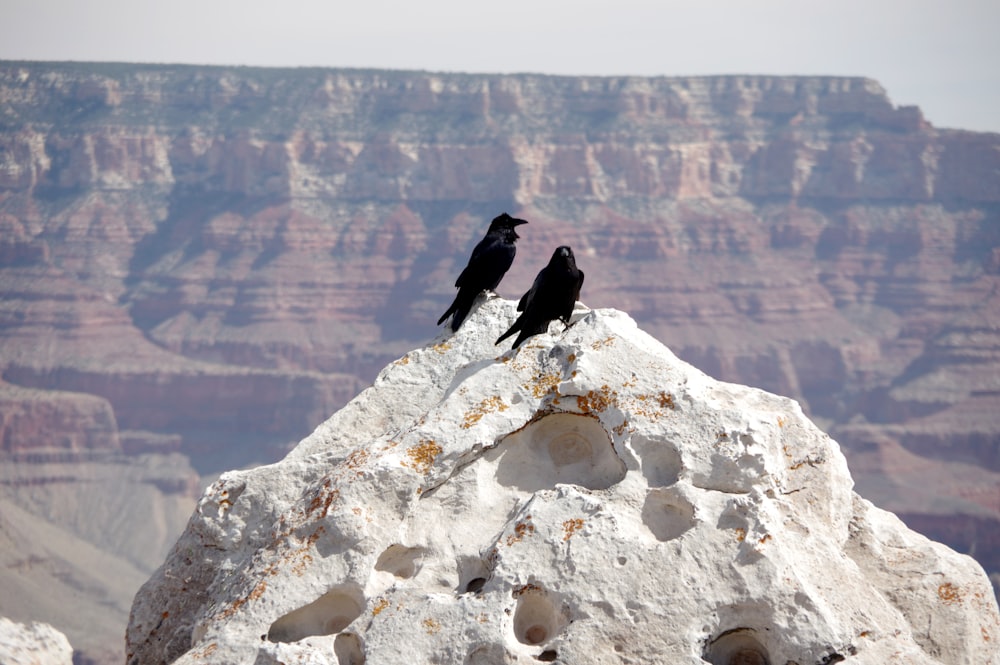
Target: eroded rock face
589,498
210,260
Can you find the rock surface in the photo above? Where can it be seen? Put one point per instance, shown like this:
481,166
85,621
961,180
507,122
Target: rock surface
33,644
588,498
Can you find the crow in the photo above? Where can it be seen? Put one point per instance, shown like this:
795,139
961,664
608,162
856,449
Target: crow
552,296
489,262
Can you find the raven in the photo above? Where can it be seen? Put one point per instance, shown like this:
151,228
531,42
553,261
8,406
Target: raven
489,262
552,296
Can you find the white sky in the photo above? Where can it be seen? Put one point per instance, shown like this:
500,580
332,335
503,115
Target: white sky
942,55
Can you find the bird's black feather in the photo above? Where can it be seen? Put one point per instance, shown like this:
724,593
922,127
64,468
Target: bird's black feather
489,262
552,296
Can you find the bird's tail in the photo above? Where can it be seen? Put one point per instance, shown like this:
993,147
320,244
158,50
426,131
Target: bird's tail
525,333
520,338
459,310
446,314
510,331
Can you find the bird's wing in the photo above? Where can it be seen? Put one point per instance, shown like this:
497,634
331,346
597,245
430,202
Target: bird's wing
510,331
579,285
488,264
473,266
522,303
530,294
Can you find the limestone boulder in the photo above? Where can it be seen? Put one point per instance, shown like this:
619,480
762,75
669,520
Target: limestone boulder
34,643
587,498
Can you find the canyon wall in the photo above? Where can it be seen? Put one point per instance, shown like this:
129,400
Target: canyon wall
200,264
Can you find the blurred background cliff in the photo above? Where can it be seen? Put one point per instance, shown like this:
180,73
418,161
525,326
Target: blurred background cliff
199,264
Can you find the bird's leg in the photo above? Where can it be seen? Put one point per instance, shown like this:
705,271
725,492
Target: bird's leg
567,319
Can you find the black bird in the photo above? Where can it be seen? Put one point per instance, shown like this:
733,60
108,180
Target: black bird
489,262
552,296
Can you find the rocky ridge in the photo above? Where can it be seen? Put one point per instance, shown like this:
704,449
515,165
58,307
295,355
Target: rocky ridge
586,498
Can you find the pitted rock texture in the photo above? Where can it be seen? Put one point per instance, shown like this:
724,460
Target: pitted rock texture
588,498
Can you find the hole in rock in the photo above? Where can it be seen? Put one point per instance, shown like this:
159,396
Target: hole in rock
399,560
660,460
472,574
328,614
558,448
535,618
547,656
569,448
737,647
667,514
347,648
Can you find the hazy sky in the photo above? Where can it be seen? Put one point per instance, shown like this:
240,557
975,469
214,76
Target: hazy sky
943,56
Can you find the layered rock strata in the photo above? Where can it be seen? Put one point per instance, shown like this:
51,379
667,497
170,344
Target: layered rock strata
209,260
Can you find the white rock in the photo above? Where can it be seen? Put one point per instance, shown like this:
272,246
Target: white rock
33,644
588,498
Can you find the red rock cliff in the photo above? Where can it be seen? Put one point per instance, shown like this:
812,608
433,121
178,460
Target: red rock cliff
226,255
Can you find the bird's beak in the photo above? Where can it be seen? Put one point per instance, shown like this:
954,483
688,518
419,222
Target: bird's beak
518,222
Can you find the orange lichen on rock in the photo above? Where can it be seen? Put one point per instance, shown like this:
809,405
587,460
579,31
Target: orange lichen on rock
544,384
323,499
432,626
571,527
654,406
299,567
602,343
357,458
597,400
256,593
379,606
521,529
949,594
526,588
422,455
488,405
